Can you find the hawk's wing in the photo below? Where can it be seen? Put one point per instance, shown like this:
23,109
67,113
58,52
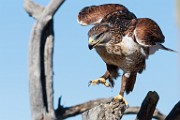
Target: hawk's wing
120,20
148,33
118,16
94,14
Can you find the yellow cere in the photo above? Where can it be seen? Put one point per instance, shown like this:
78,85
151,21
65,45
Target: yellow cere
91,41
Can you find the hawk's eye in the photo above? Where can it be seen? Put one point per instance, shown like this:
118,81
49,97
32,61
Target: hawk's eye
97,37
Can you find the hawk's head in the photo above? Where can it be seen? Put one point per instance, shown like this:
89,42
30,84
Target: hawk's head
99,35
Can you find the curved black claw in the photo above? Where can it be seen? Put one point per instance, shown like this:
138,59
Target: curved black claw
90,82
94,82
110,85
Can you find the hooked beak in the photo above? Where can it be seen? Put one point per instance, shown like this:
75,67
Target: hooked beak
90,47
92,43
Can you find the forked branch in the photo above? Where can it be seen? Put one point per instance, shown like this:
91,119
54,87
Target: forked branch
40,59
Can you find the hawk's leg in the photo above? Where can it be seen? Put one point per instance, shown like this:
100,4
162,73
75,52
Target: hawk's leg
127,84
120,96
101,80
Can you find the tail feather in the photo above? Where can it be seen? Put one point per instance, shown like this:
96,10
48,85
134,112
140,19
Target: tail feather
165,48
157,47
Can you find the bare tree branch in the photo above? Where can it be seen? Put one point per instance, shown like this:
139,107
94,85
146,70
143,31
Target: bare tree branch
107,111
40,59
52,7
134,110
33,9
148,106
115,111
48,66
175,113
65,112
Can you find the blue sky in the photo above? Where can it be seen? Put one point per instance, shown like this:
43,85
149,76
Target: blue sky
75,64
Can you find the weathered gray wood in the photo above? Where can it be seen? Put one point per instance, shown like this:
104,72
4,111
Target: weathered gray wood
65,112
48,64
115,110
148,106
108,111
40,59
134,110
33,9
175,113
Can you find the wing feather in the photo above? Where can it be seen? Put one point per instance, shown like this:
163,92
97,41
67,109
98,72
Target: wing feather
94,14
148,33
117,16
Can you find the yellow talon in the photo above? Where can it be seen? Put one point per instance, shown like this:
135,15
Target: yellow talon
120,97
99,81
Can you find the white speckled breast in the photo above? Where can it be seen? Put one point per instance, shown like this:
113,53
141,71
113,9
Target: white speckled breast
127,55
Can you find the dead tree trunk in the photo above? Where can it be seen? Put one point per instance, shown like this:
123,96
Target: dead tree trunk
40,59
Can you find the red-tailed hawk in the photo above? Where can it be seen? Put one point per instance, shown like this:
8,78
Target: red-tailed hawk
122,41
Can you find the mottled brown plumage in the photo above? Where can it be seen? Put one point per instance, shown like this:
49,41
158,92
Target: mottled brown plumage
94,14
148,33
122,41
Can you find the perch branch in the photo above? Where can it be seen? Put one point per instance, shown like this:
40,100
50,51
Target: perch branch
66,112
175,113
108,111
148,106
